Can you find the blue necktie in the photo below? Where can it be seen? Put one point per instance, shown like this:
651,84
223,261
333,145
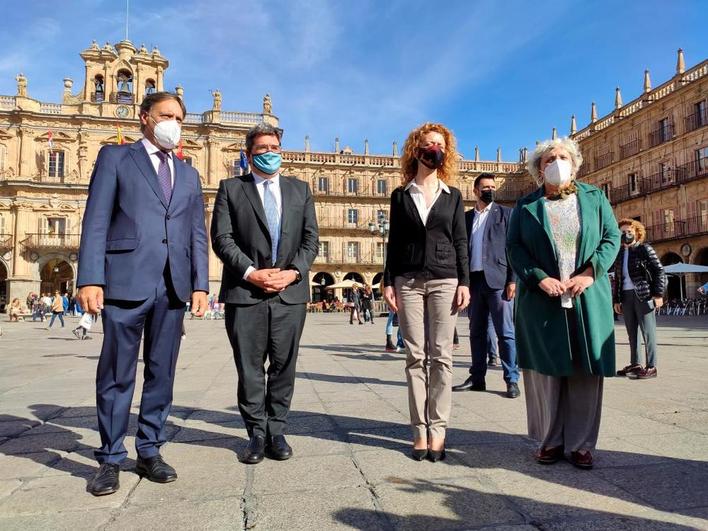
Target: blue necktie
273,218
164,176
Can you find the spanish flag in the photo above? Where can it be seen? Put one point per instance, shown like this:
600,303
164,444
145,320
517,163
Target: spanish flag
119,136
180,153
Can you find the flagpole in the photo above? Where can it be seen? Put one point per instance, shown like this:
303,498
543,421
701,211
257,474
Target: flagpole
127,15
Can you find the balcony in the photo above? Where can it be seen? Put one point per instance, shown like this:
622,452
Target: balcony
51,242
661,134
98,97
122,97
350,260
630,148
691,171
696,120
604,160
5,243
337,222
687,228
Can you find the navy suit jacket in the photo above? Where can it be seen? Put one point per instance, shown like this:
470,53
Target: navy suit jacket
130,232
240,238
497,270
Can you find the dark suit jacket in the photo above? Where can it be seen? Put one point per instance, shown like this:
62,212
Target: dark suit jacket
129,231
437,249
497,270
240,238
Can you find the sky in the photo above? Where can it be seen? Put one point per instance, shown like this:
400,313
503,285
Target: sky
498,73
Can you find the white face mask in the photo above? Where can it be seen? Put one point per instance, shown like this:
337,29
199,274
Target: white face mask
557,173
167,133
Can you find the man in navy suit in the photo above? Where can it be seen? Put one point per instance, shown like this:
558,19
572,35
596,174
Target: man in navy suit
492,288
143,255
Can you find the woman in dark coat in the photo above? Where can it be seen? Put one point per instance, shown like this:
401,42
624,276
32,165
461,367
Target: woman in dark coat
638,291
562,240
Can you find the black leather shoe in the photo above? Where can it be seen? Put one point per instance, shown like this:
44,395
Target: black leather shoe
419,455
105,481
436,455
469,385
255,451
155,469
512,390
278,448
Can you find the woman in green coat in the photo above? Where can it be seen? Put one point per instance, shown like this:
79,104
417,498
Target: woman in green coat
562,240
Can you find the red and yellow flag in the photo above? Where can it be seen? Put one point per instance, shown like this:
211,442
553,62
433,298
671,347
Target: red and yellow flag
119,136
180,153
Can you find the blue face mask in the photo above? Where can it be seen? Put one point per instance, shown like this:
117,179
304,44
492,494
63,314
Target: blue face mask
268,163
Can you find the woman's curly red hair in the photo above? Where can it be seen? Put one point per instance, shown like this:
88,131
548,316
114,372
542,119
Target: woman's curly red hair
409,158
639,231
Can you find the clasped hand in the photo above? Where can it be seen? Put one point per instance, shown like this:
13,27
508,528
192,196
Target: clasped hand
574,286
272,280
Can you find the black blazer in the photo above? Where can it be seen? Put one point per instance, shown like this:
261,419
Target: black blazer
497,270
240,238
437,249
645,270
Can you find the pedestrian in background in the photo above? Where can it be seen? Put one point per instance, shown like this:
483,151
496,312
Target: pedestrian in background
57,307
638,293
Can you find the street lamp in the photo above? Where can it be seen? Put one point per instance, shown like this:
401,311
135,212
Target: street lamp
381,226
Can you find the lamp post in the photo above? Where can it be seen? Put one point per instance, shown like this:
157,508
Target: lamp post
381,226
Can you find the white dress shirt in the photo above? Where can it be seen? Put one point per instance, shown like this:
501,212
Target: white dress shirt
477,238
419,198
275,188
153,151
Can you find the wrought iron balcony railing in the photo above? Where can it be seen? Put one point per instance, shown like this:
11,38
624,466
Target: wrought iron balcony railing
51,242
5,243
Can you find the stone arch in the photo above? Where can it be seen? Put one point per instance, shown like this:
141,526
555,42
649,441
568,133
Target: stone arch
56,271
701,258
4,291
676,284
319,283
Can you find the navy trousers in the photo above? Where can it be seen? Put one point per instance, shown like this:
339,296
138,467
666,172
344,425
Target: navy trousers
160,318
485,303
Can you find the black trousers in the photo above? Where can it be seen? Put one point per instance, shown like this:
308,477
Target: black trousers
269,330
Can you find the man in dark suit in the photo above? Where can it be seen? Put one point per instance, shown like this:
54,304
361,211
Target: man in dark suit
492,288
143,255
264,230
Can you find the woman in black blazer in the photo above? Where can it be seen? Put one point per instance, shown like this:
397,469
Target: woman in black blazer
426,279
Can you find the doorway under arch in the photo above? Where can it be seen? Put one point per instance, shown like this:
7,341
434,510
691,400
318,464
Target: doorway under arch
675,285
57,275
319,284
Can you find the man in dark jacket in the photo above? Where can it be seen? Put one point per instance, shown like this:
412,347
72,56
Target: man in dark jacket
492,288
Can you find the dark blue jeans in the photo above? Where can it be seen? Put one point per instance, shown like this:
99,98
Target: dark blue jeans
487,302
54,316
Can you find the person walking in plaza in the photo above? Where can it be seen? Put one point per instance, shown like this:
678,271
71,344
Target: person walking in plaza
562,240
265,232
492,288
367,303
354,301
57,309
639,291
426,278
143,254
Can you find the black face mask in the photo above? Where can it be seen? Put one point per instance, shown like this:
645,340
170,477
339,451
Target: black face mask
432,157
628,238
487,196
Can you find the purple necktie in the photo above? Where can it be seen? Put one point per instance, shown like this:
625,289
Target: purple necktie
164,175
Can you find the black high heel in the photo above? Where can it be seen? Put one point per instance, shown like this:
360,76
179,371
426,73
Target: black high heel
419,454
436,455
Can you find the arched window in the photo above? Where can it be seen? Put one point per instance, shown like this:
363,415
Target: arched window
150,87
125,86
99,88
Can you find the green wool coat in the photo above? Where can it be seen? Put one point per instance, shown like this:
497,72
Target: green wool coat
542,336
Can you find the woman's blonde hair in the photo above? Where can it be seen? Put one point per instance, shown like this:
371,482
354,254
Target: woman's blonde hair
409,159
639,231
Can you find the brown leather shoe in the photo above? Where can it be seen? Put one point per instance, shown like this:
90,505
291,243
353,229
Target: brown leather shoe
629,369
548,456
583,460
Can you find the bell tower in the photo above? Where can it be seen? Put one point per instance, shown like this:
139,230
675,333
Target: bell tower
117,78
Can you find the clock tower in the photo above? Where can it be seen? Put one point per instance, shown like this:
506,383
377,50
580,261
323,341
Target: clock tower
117,78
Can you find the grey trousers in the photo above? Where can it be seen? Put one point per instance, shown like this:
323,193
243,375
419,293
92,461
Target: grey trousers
427,323
563,411
635,319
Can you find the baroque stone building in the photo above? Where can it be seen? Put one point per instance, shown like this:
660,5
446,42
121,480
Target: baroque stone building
47,152
650,156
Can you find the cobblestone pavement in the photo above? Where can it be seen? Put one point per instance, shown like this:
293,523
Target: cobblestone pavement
349,430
